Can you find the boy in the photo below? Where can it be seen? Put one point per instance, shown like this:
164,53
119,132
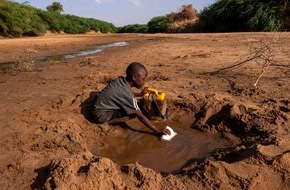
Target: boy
117,103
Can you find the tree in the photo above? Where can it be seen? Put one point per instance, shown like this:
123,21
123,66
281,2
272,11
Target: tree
158,24
56,7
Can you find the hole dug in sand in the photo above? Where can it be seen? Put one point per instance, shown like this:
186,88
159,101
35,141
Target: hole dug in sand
198,124
135,143
222,128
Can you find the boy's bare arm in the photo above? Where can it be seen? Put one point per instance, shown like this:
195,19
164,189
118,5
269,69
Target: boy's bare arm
146,122
140,94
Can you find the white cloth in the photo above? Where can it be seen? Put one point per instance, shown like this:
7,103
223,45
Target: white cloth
168,137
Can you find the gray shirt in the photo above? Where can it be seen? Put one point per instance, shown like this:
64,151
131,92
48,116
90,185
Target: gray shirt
117,95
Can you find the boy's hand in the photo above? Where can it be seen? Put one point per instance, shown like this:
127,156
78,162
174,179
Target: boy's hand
166,132
144,91
163,132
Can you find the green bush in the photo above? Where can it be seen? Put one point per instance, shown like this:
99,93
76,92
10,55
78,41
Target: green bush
158,24
133,28
54,21
75,25
20,19
242,15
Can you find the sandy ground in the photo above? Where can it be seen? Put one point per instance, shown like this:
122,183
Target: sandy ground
46,138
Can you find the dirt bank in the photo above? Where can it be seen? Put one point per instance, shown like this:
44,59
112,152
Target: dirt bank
47,139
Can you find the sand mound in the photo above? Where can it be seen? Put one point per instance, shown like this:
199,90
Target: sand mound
85,171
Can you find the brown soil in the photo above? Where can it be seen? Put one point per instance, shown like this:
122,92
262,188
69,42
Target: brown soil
47,137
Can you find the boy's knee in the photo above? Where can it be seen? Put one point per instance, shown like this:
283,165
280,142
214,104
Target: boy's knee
100,120
101,117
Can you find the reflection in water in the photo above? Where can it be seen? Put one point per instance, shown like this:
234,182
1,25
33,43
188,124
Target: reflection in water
95,49
126,146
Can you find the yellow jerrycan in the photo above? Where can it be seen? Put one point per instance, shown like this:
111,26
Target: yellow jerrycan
154,103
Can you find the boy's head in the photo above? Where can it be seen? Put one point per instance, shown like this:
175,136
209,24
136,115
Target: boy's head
136,73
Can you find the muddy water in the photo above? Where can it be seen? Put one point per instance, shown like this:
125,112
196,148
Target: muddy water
125,146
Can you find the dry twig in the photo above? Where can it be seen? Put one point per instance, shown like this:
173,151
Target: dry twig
266,53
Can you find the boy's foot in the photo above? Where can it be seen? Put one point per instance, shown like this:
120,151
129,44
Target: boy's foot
105,128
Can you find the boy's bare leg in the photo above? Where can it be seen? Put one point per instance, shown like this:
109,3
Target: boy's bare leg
105,127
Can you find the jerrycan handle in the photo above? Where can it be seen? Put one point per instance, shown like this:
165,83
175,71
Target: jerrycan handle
159,95
152,90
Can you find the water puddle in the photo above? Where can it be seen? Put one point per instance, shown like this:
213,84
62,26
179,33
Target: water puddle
127,146
89,51
95,49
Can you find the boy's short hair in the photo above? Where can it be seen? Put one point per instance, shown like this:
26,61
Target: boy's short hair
133,69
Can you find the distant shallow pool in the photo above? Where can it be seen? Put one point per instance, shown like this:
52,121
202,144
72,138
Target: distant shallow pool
26,64
95,49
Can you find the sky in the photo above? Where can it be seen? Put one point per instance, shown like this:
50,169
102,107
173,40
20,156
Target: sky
120,12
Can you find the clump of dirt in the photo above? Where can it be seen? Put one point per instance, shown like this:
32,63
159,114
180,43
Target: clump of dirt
252,123
85,171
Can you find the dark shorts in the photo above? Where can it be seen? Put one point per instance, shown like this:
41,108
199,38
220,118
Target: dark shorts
105,116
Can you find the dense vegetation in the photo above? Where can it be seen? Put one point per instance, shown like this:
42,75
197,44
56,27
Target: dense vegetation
182,21
21,19
245,15
225,16
133,28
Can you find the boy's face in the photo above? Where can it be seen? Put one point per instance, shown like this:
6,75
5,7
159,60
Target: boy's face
139,79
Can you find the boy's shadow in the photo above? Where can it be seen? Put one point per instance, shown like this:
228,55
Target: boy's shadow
86,110
87,106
